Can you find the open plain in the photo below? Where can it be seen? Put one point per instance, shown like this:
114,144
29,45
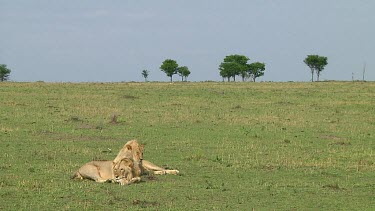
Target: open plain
238,146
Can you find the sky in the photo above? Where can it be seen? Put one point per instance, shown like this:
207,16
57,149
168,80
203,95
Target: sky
113,41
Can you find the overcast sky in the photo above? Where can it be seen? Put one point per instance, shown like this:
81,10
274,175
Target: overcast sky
92,40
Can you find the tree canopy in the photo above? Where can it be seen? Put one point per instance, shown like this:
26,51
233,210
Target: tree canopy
229,69
256,70
145,74
184,72
4,72
316,64
233,65
237,65
169,67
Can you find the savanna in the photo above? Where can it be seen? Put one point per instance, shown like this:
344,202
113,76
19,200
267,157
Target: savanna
237,146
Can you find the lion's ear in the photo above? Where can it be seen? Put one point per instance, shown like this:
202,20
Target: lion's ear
129,147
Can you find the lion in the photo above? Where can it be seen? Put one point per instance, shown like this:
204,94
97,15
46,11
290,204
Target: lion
108,171
132,149
123,172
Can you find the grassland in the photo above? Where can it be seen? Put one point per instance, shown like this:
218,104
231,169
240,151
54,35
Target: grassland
238,146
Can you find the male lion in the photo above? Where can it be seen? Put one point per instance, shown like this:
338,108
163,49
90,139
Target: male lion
124,173
132,149
108,171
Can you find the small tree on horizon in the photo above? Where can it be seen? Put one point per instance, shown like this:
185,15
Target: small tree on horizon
321,65
256,69
169,67
184,72
316,64
4,72
145,74
225,71
228,70
233,65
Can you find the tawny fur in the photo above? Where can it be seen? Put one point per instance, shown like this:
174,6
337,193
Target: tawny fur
132,149
107,171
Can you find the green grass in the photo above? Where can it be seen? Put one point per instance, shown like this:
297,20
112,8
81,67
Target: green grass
238,146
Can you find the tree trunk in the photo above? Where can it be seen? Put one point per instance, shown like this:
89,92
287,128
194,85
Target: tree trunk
312,75
318,74
171,79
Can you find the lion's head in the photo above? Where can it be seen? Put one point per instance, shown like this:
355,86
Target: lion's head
123,171
133,150
136,148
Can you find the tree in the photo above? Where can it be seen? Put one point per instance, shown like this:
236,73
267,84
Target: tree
4,72
244,74
228,70
225,71
233,65
256,70
145,74
322,62
310,61
316,64
184,72
169,67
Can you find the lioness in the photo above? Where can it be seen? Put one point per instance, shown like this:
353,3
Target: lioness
108,171
132,149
